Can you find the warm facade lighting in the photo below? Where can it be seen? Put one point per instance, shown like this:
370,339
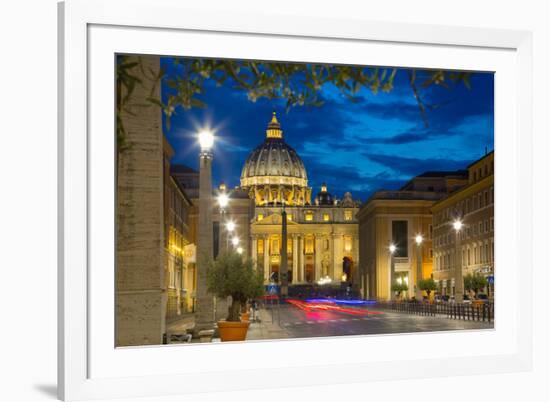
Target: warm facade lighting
235,241
419,239
392,248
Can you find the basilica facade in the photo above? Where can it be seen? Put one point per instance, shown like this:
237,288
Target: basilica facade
322,233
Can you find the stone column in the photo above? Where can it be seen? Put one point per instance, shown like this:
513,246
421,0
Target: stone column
333,263
254,251
318,253
140,291
336,261
205,308
283,267
301,259
294,259
266,259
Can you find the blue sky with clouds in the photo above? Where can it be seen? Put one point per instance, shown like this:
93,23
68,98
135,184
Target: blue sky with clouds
379,142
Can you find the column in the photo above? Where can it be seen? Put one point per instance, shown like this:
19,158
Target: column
301,259
333,263
266,258
318,248
205,303
254,253
336,262
294,259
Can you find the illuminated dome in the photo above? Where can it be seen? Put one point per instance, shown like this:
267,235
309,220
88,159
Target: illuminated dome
273,172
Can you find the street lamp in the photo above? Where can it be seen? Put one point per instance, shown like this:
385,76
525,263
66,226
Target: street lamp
223,200
459,281
235,241
204,318
239,250
393,249
206,140
230,226
419,239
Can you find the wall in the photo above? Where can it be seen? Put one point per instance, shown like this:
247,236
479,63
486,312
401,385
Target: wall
29,133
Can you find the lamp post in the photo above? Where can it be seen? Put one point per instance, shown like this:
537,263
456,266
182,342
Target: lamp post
205,242
418,239
459,281
392,250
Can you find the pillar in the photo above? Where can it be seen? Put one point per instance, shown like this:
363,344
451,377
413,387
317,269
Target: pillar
254,251
301,259
204,318
318,248
294,259
266,259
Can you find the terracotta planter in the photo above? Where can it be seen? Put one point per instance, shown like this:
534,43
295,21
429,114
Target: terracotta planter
245,316
233,331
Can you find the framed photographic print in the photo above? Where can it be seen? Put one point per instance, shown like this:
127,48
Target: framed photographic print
249,196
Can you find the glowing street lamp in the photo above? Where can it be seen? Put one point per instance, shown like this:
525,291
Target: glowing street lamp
235,241
240,250
392,248
419,239
230,226
457,225
206,140
223,200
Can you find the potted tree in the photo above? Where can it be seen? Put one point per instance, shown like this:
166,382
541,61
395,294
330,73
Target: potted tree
427,285
231,274
478,282
399,287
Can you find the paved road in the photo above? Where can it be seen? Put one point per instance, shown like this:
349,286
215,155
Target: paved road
304,324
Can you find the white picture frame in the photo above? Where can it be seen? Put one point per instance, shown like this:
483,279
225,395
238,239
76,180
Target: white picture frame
90,31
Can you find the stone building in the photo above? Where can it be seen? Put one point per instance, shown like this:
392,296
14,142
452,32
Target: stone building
323,235
472,249
179,266
397,217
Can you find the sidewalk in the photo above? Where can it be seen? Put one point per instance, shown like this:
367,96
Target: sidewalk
265,329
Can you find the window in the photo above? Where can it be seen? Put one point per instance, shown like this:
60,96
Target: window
480,200
492,224
475,255
260,217
309,245
400,238
275,246
289,246
326,217
348,215
309,216
469,259
486,196
480,227
347,243
289,217
486,226
430,232
431,253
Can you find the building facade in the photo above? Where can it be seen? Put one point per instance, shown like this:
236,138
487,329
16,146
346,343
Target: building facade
397,218
472,249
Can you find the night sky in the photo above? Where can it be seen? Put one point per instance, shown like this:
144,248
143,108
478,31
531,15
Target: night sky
379,142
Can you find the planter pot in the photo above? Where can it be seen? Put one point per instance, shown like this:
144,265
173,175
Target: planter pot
245,316
232,330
